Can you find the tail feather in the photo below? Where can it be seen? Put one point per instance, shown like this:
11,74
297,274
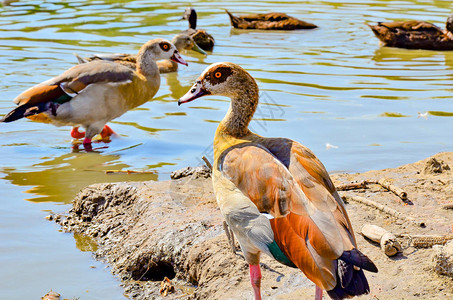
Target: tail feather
359,259
356,287
80,59
345,273
26,110
351,281
234,20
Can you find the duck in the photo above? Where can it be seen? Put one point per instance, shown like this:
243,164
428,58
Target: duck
415,34
269,21
181,42
277,196
92,94
200,36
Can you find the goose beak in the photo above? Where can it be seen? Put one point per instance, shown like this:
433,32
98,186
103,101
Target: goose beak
198,49
195,92
177,58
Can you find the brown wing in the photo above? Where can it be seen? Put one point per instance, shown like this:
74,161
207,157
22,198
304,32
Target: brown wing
305,229
412,25
270,21
412,35
312,177
74,80
272,188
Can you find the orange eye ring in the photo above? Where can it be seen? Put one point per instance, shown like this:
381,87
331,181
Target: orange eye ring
165,46
217,74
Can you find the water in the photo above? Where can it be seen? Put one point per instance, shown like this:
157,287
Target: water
330,85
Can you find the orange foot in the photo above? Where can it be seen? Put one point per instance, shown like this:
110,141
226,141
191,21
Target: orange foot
75,133
107,132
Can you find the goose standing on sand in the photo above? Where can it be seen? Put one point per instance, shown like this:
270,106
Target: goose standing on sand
200,36
270,21
415,34
92,94
276,196
181,42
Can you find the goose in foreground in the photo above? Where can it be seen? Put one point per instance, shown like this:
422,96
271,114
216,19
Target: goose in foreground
270,21
181,42
92,94
276,196
200,36
415,34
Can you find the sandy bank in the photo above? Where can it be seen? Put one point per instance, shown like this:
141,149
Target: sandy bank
148,230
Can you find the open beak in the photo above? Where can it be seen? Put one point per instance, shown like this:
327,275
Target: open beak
195,92
177,58
198,49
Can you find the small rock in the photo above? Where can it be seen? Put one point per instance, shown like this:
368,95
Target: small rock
200,171
434,166
442,259
51,296
166,287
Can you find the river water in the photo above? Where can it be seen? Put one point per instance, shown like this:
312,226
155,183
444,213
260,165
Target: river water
332,85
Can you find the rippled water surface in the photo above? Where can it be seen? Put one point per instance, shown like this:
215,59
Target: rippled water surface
330,85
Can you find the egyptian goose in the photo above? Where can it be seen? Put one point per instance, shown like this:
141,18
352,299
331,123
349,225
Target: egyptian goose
276,196
200,36
270,21
181,41
94,93
415,34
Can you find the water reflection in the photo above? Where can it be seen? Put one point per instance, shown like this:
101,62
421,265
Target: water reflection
60,178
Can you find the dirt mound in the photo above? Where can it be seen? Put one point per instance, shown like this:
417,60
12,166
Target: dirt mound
147,231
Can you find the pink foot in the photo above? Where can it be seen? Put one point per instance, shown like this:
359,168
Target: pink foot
318,293
255,279
75,133
107,131
87,144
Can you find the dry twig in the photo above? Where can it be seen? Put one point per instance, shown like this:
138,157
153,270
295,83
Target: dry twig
385,183
230,236
383,208
352,186
386,239
447,206
427,241
128,172
206,161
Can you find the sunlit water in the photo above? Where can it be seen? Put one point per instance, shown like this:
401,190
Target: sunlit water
330,85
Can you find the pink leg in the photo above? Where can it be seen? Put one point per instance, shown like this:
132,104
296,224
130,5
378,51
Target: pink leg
107,131
87,145
75,133
318,293
255,279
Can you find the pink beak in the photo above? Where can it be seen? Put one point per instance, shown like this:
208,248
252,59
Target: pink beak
177,58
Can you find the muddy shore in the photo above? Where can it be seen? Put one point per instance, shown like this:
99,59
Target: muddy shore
150,230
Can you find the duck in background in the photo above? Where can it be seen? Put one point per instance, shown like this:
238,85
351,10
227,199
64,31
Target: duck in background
94,93
200,36
415,34
276,196
181,42
270,21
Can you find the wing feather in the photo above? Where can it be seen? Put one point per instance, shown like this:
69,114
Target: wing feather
74,80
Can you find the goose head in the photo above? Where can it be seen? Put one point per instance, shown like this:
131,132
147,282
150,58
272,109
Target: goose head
190,15
159,49
184,41
223,79
449,24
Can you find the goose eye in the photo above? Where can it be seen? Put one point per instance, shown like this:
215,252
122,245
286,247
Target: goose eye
165,46
218,74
